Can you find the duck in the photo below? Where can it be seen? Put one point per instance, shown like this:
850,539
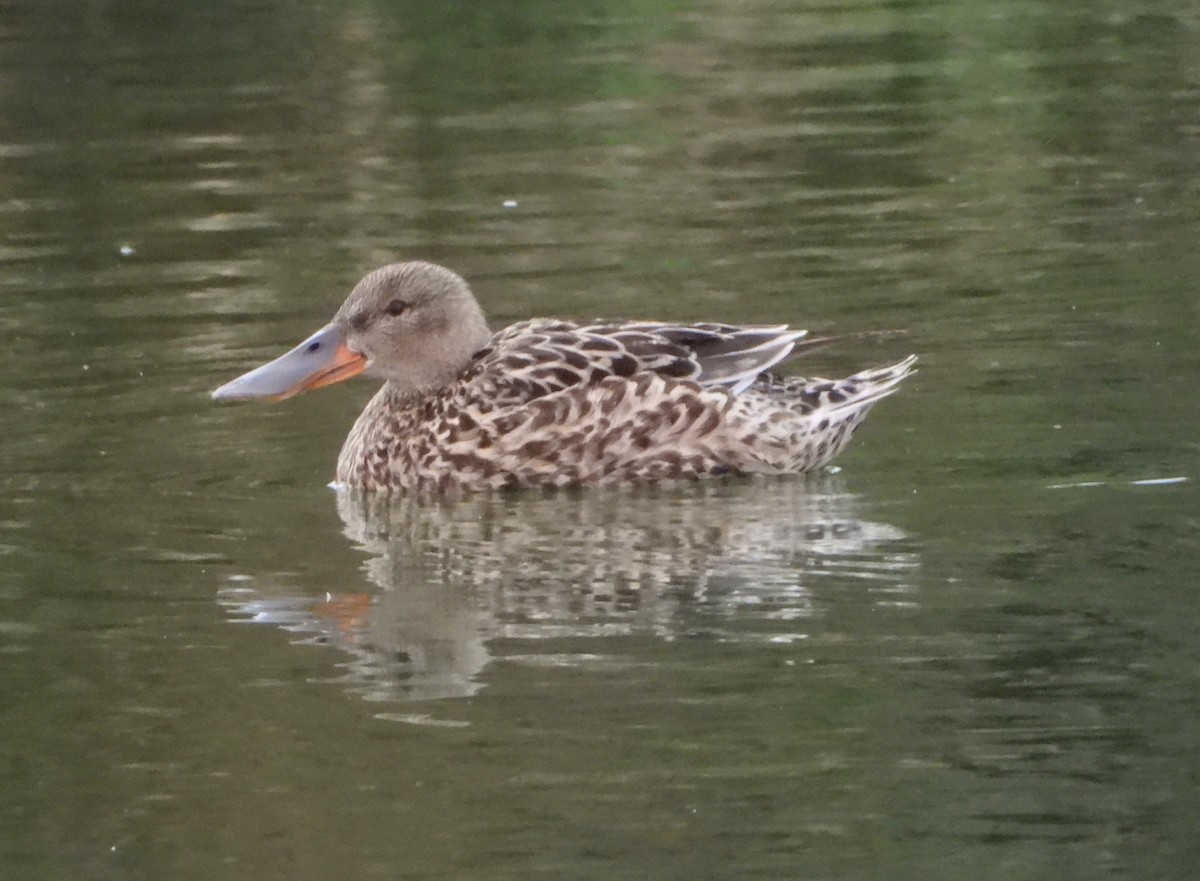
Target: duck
555,403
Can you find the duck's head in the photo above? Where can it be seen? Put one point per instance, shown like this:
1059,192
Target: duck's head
414,324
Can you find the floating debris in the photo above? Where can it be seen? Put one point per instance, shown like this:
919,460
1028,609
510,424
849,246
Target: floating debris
1150,481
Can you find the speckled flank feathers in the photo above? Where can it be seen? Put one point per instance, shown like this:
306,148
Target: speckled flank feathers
603,428
555,403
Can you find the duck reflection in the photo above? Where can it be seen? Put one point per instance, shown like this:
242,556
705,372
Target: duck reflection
556,573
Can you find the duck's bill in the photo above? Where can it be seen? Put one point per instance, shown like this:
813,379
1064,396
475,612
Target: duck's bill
320,360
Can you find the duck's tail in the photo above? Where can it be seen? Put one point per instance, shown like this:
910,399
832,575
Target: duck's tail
798,424
864,388
835,396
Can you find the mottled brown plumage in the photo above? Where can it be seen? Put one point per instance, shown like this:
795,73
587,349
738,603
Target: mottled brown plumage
555,403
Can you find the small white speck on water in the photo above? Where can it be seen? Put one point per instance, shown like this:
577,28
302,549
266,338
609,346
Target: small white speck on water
1057,427
87,366
126,251
510,203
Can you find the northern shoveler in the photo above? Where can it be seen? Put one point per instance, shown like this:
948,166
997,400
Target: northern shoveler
556,403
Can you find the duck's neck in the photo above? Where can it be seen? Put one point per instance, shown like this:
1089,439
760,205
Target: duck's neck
394,396
388,420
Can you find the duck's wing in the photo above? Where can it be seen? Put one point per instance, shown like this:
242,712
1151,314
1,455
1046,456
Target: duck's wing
717,354
540,357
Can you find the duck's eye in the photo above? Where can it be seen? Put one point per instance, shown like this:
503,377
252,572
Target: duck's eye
314,346
396,307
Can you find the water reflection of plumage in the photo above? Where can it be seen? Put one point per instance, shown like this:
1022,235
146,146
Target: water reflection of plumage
743,560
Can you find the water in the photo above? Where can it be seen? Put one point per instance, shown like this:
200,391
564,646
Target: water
970,653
